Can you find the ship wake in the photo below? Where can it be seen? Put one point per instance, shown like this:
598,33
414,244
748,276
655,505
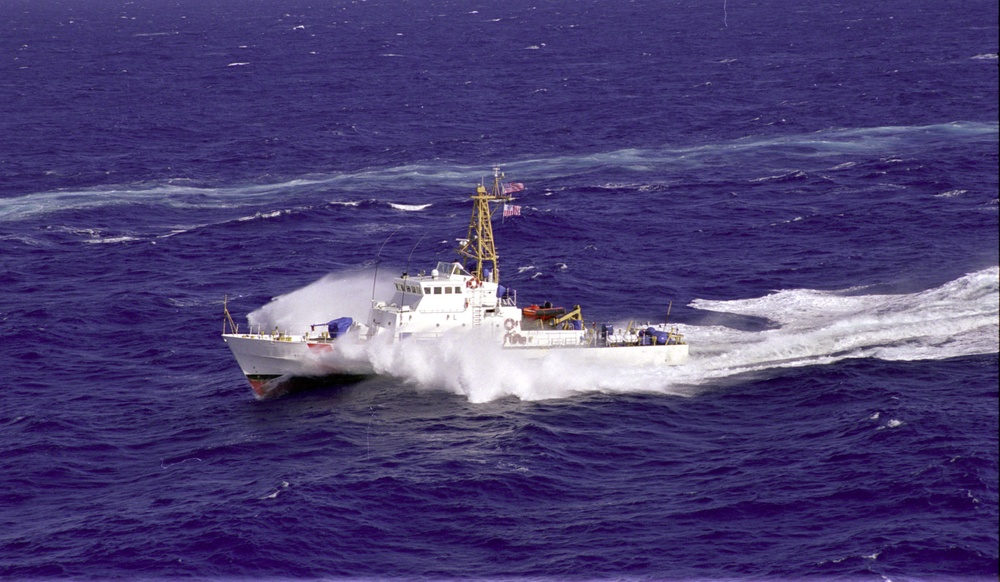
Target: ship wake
812,328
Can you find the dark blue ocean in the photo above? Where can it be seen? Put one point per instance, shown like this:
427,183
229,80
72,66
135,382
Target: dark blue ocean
810,189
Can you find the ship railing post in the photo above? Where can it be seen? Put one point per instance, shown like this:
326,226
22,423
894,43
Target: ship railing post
228,318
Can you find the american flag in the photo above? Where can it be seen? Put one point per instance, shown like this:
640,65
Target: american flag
511,187
511,210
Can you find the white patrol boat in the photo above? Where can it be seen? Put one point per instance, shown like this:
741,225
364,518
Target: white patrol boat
464,295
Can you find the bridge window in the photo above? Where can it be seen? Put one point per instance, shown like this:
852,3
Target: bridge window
451,269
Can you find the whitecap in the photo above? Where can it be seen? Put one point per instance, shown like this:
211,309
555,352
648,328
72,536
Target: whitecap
176,231
111,240
237,64
274,493
950,193
263,215
165,465
25,240
409,207
792,175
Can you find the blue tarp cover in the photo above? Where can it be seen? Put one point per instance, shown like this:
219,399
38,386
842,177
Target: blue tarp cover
339,326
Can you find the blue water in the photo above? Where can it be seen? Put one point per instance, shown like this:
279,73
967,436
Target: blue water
810,188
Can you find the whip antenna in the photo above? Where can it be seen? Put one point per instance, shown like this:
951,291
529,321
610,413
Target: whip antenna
406,273
378,258
411,254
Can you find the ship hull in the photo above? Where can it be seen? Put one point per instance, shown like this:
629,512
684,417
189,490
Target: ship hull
273,362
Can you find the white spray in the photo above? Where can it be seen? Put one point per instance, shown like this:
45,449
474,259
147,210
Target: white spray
335,295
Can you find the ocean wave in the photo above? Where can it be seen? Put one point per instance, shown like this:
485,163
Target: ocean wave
778,152
175,193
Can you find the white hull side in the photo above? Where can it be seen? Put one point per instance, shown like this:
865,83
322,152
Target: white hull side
262,358
259,356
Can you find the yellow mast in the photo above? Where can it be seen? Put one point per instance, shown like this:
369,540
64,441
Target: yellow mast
479,245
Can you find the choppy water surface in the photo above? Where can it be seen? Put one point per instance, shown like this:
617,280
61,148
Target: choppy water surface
810,190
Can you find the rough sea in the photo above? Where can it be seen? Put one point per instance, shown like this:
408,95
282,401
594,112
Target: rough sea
808,188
